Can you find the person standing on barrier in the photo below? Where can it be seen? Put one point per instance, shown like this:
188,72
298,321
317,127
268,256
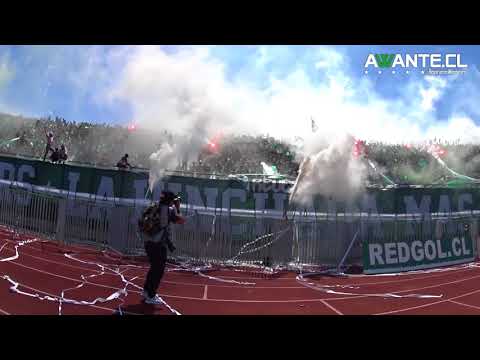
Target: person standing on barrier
49,146
156,232
55,156
123,163
62,154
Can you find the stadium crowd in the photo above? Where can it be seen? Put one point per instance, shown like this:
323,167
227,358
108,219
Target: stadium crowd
104,145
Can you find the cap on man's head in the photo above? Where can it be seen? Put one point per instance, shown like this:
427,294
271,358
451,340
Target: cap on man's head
167,195
126,155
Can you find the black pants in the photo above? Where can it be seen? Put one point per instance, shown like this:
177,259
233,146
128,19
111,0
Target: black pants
157,256
47,149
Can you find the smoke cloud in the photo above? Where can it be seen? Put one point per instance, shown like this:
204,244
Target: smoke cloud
195,92
189,92
330,172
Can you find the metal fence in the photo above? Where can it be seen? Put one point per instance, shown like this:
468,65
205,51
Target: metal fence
29,212
219,237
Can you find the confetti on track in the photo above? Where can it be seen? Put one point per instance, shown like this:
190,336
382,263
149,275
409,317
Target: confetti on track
42,277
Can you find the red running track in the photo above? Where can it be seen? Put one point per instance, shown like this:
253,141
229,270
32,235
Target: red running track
43,269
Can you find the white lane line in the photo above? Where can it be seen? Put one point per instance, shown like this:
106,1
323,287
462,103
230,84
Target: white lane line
165,295
3,246
165,281
233,286
425,305
142,278
359,296
56,296
225,300
331,307
463,304
434,274
169,296
205,292
266,301
4,312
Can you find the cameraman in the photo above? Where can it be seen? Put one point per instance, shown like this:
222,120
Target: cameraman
156,232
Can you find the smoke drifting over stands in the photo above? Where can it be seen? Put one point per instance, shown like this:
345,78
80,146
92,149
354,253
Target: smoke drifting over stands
104,145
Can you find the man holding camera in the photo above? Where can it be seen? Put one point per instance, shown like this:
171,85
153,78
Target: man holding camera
156,232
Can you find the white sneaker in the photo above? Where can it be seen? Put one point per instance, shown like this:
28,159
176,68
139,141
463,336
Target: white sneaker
154,301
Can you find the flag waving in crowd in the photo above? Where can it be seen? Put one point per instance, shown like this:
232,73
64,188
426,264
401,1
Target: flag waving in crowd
314,126
437,150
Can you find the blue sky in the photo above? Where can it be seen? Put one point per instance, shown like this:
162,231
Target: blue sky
269,84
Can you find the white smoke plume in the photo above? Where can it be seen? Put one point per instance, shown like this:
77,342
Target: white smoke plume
181,93
332,171
168,87
192,92
188,91
161,160
183,149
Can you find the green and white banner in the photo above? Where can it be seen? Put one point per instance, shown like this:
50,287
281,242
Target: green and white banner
449,243
233,193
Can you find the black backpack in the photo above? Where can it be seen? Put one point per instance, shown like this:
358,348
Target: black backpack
150,222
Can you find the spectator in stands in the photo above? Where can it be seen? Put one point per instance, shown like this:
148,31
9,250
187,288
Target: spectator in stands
49,146
62,154
237,154
55,157
123,163
23,144
23,138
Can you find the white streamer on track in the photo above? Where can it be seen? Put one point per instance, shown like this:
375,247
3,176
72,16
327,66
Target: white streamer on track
85,280
199,271
326,289
22,243
124,280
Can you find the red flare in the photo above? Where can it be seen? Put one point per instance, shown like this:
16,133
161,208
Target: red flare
359,148
213,143
437,150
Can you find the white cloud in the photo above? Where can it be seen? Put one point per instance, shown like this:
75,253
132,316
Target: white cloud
465,98
432,93
187,90
176,90
329,58
457,127
7,71
276,90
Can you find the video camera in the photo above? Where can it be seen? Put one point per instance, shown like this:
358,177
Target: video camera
176,199
171,199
